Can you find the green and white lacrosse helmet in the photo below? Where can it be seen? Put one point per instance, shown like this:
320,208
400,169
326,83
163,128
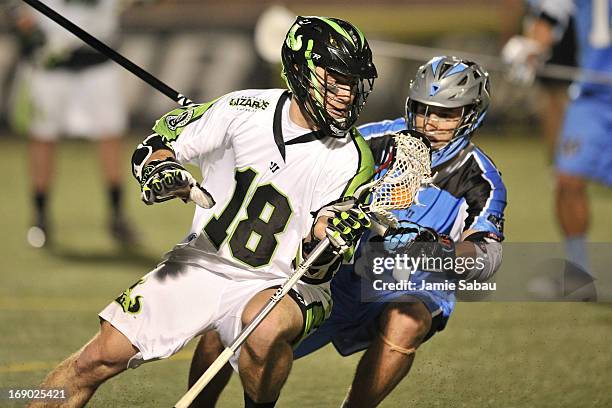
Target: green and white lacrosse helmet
343,52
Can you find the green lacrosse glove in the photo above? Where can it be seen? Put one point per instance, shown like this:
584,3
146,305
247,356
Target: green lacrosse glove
347,223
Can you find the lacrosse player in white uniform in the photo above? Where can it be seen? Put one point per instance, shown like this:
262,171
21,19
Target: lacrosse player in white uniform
272,162
74,91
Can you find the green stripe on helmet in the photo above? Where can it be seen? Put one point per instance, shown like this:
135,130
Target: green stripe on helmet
292,42
340,30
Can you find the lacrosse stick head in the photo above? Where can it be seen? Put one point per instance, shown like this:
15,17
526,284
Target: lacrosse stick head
399,182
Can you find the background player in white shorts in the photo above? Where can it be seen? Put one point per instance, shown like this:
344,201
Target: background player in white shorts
271,160
75,91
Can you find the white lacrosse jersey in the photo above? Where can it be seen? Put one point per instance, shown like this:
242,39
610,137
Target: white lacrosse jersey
267,176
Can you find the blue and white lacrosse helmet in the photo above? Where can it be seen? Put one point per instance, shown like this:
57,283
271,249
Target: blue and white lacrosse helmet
449,82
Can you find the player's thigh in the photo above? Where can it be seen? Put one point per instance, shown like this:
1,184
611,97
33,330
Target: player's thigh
585,147
98,108
284,323
406,319
50,98
302,310
167,308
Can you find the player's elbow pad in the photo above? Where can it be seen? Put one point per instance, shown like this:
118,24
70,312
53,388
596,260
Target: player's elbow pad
144,151
488,260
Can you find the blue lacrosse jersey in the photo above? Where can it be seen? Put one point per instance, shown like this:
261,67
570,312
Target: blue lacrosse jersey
468,194
594,38
593,32
585,145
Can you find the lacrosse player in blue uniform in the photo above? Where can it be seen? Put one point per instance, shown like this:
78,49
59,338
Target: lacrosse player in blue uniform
585,149
461,215
462,212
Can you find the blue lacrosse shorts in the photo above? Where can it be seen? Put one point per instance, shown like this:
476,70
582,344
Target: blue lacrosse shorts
585,145
353,322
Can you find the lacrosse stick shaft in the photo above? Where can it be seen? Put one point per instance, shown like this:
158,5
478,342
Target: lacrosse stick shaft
109,52
229,351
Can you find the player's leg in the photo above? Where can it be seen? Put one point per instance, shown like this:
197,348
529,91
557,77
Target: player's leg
403,327
99,99
208,349
267,355
573,215
42,154
48,101
105,356
110,150
580,155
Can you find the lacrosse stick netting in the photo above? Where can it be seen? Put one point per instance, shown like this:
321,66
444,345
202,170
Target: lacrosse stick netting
397,188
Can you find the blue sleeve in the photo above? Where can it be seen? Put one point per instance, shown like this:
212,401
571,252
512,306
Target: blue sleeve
377,129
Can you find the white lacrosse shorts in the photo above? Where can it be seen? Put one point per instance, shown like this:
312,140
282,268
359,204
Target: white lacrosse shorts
178,301
87,104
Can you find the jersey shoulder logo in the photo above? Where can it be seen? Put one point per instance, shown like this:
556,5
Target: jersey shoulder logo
249,103
174,122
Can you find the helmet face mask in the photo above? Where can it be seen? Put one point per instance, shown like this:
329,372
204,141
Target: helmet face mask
328,66
448,99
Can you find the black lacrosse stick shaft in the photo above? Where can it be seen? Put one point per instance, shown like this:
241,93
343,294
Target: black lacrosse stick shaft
109,52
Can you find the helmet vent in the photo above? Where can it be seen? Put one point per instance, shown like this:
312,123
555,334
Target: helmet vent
445,68
463,81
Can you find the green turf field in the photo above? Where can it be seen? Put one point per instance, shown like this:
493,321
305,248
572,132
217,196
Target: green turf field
490,355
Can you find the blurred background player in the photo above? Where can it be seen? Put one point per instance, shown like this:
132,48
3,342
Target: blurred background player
585,147
553,92
461,216
74,91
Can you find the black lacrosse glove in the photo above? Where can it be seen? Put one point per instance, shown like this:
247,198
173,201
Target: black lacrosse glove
166,179
437,251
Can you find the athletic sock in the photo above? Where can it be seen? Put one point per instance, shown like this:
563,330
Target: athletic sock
249,403
40,206
576,250
115,195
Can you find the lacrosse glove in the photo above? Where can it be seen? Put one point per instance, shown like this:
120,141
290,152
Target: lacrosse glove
166,179
437,251
523,56
347,223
